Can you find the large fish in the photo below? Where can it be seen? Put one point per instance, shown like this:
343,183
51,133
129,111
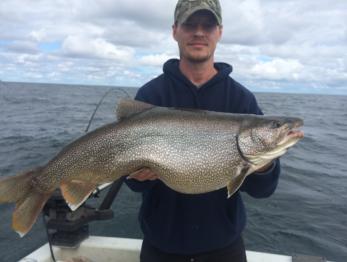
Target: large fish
191,151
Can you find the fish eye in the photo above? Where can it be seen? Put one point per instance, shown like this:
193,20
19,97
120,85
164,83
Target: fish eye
276,124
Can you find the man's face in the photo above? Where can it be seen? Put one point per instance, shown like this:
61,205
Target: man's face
198,36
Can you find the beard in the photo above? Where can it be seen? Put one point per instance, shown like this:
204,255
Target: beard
195,56
196,59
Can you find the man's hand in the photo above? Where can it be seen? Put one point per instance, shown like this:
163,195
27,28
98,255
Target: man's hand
264,168
143,174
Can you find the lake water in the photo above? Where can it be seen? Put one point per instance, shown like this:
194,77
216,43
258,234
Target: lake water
306,215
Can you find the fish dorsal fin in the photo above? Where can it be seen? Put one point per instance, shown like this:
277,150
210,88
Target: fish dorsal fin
128,107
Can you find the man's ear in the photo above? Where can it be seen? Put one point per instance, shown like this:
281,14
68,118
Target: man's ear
220,32
174,30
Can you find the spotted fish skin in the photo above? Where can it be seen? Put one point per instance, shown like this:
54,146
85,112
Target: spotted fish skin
191,152
175,144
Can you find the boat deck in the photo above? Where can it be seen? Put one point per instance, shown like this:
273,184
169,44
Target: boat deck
105,249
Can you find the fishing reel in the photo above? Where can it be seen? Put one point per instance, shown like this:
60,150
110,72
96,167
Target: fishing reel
67,228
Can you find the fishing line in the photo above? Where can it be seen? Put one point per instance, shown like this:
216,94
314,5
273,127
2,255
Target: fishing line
100,102
48,238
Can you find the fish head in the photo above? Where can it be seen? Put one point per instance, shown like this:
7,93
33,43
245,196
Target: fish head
264,138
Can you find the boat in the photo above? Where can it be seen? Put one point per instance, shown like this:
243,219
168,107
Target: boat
69,240
113,249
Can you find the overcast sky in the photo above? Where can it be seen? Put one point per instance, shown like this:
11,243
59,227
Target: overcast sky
273,45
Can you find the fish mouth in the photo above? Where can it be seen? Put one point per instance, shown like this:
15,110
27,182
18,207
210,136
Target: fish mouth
293,134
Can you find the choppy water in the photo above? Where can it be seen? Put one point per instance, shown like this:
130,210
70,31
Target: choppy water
306,215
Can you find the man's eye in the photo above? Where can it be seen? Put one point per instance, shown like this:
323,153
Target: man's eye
189,25
204,26
209,27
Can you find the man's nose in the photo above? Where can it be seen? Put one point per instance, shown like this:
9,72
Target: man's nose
199,30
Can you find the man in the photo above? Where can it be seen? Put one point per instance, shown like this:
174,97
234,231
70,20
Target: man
204,227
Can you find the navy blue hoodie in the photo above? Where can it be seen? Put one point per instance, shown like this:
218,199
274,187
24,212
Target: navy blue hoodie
189,224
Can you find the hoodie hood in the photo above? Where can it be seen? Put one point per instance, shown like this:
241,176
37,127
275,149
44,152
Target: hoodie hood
171,68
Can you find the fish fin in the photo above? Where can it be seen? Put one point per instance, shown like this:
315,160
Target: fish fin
14,188
134,174
101,187
27,211
19,189
237,180
127,108
76,192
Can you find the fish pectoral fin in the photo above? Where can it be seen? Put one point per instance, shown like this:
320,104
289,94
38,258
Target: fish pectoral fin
75,192
237,180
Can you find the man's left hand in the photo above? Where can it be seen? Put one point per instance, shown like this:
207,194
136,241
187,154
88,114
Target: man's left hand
264,168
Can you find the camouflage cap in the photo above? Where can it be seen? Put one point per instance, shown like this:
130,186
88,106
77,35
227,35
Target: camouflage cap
186,8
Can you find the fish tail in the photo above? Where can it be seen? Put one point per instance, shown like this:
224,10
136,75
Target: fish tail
29,202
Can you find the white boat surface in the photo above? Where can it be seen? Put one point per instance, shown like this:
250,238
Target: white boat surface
114,249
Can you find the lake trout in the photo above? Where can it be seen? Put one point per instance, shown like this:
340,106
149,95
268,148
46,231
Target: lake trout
191,151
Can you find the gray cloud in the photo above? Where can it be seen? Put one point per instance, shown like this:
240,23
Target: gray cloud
270,43
26,47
